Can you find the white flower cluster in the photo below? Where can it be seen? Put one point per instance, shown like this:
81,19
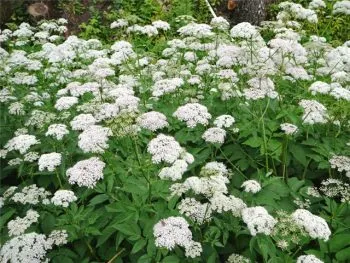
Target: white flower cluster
58,131
236,258
222,203
175,171
193,114
82,122
314,225
224,121
207,186
21,143
220,23
291,10
27,248
19,225
335,188
259,89
31,247
341,163
308,259
86,172
31,195
166,86
314,112
49,161
214,135
251,186
196,30
119,23
342,7
289,128
64,103
258,220
152,121
164,148
174,231
94,139
317,4
63,198
195,210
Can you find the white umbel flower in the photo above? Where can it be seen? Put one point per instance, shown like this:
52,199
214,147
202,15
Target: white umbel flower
341,163
63,198
258,220
174,231
289,128
214,135
26,248
164,148
94,139
314,225
64,103
222,203
58,237
308,259
21,143
86,172
175,171
49,161
195,210
152,121
57,131
31,195
314,112
82,122
224,121
193,114
251,186
236,258
19,225
319,87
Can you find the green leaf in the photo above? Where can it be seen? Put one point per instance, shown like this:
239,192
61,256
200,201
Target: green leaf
144,259
171,259
106,233
6,216
138,246
98,199
295,184
129,229
338,242
254,142
343,255
298,152
48,223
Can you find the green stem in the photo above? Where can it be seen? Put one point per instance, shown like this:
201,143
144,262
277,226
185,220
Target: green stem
59,179
142,171
234,166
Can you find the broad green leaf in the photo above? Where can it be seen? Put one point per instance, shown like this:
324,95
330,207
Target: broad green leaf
171,259
338,242
138,246
343,255
254,142
98,199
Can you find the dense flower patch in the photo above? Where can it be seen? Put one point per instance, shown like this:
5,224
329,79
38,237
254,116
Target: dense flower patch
192,143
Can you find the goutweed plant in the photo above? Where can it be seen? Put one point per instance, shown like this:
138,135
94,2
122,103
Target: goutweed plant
201,143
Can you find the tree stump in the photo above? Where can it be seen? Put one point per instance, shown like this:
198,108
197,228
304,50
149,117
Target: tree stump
237,11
